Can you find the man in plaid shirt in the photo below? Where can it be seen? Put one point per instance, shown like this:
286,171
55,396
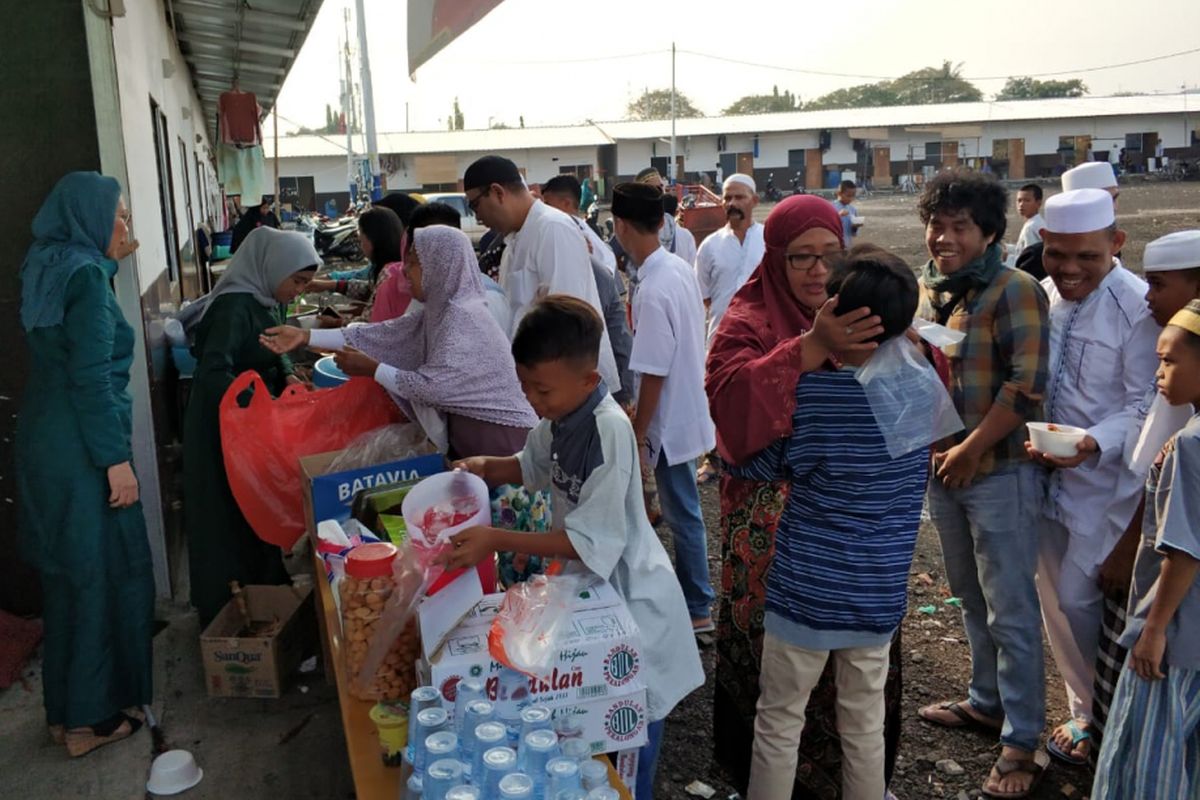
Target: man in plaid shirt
984,493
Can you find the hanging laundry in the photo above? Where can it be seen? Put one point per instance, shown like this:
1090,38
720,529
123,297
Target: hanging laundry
240,161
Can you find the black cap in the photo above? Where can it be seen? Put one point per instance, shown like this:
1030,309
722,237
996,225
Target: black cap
639,202
491,169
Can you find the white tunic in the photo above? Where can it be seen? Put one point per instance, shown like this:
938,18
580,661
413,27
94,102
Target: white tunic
1031,232
723,264
668,341
549,256
1102,359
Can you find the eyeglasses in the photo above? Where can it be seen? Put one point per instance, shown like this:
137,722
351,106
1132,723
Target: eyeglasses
806,262
473,202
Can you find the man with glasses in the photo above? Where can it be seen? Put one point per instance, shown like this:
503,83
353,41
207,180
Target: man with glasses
544,251
984,493
730,255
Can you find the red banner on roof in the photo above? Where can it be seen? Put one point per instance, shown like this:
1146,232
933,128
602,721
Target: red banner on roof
433,24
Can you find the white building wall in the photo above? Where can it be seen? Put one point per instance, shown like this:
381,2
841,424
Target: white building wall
329,173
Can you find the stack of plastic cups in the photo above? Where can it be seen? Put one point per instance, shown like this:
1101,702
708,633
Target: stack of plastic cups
576,749
429,722
562,774
477,712
439,746
467,691
464,792
412,790
537,748
421,698
593,775
512,694
536,718
441,776
487,736
516,786
497,762
604,793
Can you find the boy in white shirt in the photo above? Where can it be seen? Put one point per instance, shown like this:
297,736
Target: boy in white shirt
1029,206
672,422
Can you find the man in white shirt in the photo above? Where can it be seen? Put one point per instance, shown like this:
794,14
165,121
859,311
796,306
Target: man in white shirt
1102,358
672,423
729,256
1029,206
562,192
685,242
544,252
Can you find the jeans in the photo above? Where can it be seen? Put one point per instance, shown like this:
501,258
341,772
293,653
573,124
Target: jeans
648,760
989,536
680,502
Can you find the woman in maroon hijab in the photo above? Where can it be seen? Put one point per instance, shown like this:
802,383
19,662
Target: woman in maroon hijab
778,326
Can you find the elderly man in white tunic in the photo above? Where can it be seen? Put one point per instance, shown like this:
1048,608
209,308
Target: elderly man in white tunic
729,256
1102,358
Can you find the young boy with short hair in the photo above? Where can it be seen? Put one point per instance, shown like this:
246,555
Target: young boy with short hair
585,453
1153,731
844,545
844,203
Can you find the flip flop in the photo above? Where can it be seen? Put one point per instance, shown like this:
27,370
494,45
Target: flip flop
964,718
82,741
1078,735
1034,766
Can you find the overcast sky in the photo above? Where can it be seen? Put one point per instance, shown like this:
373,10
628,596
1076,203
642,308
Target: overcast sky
540,58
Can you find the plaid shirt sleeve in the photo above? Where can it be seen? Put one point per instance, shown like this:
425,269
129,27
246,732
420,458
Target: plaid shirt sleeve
1022,335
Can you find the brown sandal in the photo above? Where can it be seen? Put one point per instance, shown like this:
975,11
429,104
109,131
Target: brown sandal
1034,766
81,741
964,718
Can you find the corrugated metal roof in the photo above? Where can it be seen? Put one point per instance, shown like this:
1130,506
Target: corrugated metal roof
224,40
598,133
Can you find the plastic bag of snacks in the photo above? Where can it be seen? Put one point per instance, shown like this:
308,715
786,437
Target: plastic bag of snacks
370,583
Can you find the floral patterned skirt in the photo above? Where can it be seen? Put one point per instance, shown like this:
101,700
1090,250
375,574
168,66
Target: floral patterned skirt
750,512
515,509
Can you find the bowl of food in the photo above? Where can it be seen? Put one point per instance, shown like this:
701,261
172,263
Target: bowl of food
1053,439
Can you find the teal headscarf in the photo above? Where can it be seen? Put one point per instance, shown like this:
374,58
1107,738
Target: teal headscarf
72,229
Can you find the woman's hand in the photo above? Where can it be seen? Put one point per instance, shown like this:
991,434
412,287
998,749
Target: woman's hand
355,363
123,485
321,285
283,339
848,333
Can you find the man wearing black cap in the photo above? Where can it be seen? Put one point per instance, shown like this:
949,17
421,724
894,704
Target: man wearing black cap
544,251
672,422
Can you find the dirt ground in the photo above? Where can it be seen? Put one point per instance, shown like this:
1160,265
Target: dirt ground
936,656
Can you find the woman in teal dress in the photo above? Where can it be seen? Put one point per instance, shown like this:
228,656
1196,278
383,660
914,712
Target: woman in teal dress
79,520
270,269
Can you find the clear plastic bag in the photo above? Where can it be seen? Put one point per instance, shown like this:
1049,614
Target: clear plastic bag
909,401
389,443
532,621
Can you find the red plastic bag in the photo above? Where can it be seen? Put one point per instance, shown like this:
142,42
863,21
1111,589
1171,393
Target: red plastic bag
264,442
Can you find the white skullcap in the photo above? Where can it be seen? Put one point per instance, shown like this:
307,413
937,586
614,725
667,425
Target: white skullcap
1179,250
1079,211
1089,175
743,179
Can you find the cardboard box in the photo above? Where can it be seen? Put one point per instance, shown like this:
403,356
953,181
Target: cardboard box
600,594
599,658
330,495
627,764
616,722
257,666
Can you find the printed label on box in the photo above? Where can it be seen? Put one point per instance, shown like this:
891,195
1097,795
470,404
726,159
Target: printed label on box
333,494
608,724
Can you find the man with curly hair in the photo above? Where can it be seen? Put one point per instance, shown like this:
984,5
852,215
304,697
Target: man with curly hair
983,491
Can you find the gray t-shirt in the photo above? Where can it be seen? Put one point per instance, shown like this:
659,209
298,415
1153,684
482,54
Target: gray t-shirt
1172,522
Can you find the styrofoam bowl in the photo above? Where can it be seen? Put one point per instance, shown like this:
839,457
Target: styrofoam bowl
173,772
1053,439
440,487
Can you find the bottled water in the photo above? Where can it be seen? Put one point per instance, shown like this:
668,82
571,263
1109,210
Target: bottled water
421,698
562,774
536,718
577,749
429,722
464,792
440,745
593,775
516,786
488,735
412,790
441,776
467,691
512,694
477,712
537,748
497,762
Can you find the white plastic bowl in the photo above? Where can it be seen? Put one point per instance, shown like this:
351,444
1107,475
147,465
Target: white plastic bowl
173,772
440,488
1053,439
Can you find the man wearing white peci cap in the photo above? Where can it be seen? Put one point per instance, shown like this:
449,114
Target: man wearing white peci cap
1102,358
1172,267
730,255
1089,175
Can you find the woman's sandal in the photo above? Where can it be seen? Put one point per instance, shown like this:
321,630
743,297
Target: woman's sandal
81,741
1078,734
963,718
1034,766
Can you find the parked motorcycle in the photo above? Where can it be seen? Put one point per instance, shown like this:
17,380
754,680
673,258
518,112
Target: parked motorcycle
798,184
338,238
770,192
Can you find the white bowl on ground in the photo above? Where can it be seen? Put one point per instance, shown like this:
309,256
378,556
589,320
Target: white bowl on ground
1053,439
173,772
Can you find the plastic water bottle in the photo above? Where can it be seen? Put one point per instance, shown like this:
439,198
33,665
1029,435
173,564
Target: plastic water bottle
516,786
429,722
537,748
488,735
421,698
476,713
497,762
467,691
412,790
441,776
464,792
562,774
577,749
512,694
604,793
593,775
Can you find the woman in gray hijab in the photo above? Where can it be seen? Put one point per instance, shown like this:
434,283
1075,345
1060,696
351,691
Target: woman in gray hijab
270,269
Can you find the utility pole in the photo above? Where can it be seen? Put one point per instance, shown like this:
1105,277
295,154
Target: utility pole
368,105
348,108
671,166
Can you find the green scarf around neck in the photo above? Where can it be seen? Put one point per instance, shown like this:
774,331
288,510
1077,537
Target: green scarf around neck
977,274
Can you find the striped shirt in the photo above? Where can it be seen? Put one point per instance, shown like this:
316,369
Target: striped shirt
1004,360
845,541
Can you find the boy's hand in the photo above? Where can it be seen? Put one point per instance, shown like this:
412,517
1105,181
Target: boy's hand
470,547
476,465
1147,654
1084,450
957,466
